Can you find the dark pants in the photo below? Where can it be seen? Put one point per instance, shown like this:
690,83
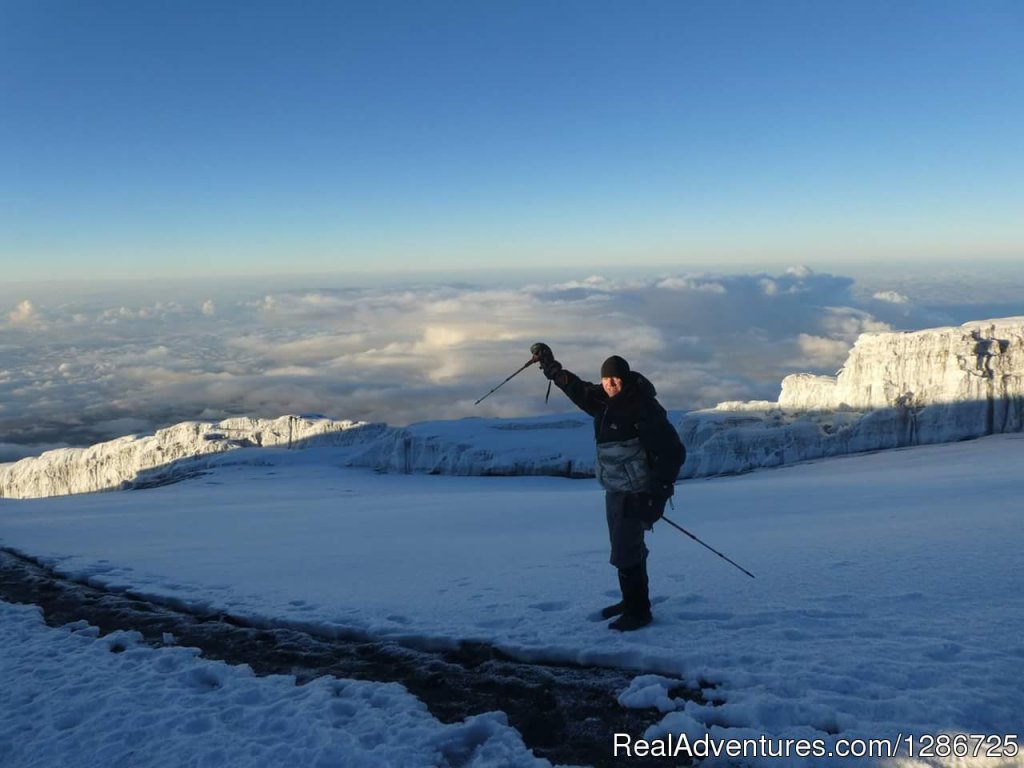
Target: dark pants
626,514
625,530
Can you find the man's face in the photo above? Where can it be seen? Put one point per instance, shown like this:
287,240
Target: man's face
612,385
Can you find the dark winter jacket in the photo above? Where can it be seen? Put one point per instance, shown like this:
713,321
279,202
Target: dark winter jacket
638,450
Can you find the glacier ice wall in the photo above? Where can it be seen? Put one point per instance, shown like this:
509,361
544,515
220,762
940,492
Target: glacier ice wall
895,390
149,459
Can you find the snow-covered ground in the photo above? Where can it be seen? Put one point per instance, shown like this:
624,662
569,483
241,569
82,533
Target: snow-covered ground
887,600
71,700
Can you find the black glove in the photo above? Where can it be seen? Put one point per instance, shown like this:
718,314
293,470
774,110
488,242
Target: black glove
661,491
647,508
548,365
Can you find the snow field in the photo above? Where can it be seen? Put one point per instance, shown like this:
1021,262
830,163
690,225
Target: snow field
887,597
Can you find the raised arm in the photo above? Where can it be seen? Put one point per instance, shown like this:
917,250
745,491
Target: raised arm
586,396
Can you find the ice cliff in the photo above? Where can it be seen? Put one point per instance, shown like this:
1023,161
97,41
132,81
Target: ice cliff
560,445
895,390
166,454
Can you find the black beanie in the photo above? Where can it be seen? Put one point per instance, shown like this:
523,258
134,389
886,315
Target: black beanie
614,367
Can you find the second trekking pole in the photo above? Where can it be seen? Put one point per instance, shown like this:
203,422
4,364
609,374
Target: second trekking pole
680,528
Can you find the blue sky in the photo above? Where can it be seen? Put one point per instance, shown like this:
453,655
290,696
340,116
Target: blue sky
192,139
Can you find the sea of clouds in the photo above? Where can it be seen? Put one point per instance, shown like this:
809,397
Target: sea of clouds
79,368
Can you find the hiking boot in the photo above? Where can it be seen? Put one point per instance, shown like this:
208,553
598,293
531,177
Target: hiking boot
635,607
613,610
631,621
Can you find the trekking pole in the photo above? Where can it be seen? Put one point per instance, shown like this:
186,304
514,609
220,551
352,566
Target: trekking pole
528,363
705,545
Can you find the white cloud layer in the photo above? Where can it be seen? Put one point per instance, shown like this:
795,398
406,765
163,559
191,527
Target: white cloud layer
80,371
24,315
893,297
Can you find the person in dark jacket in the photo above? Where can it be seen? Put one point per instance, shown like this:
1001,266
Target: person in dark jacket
639,455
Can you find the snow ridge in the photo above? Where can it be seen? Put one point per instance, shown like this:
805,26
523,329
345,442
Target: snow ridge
150,459
895,390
